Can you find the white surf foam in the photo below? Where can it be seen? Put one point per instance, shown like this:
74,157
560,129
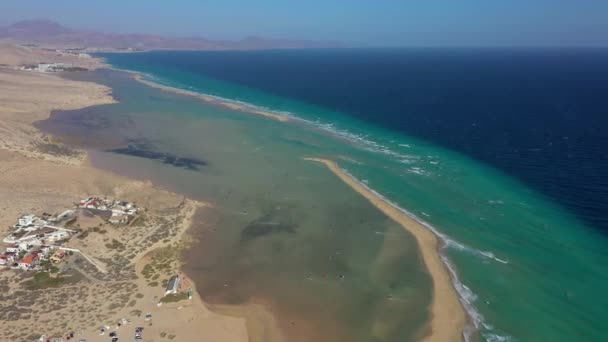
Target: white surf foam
417,170
464,248
362,140
496,338
466,296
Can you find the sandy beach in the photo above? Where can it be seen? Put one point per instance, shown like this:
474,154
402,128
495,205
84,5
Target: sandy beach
41,174
215,100
448,316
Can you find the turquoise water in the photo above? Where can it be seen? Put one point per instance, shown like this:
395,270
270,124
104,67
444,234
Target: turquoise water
526,269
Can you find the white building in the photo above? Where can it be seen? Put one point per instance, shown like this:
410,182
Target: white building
29,222
56,235
172,285
13,249
119,218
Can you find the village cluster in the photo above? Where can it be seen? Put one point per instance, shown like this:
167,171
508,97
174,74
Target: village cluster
56,67
34,239
120,212
51,67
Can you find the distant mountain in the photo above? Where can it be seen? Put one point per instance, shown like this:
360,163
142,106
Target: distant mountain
51,34
31,29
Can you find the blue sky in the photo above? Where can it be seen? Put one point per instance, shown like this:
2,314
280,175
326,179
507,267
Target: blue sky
380,22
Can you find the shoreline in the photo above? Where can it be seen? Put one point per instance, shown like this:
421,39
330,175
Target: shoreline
20,112
448,317
214,100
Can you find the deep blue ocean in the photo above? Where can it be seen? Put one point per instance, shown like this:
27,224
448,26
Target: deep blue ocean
539,115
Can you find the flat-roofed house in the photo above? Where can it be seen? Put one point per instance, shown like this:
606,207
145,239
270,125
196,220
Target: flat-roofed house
57,235
119,218
57,256
28,262
13,248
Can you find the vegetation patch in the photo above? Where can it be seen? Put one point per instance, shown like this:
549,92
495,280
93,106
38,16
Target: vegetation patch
172,298
55,148
115,244
43,280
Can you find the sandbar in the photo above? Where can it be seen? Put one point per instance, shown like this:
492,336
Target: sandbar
241,107
448,318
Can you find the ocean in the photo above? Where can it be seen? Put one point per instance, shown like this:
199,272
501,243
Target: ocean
500,152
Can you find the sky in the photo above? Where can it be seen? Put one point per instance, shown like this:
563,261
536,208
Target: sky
359,22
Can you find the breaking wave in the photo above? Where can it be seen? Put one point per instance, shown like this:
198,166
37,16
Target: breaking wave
362,140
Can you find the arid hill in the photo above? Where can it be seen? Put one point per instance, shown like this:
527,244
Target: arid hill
47,33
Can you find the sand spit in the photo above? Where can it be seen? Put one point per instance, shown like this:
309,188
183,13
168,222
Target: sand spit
215,100
448,316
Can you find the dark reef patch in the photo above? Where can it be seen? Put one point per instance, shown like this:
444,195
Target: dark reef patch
91,118
187,163
265,225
